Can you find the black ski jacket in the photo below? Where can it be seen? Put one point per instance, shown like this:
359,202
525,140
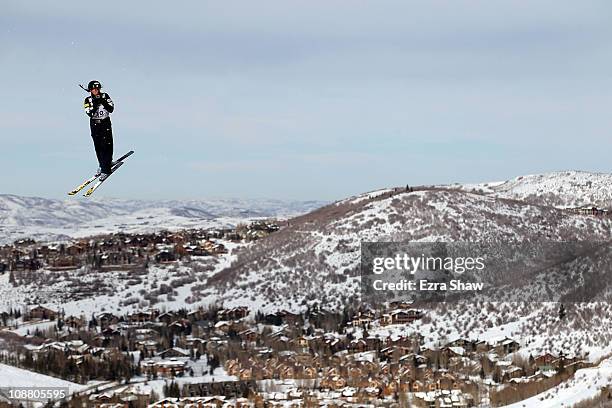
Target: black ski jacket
98,108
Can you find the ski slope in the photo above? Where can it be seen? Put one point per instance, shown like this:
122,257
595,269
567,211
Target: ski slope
585,384
16,377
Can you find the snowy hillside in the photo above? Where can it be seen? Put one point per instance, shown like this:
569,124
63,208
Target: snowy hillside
16,377
585,384
317,257
46,219
559,189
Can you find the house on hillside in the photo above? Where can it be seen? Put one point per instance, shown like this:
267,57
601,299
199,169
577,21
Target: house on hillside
174,352
165,256
166,368
544,361
401,316
590,210
106,319
42,313
234,313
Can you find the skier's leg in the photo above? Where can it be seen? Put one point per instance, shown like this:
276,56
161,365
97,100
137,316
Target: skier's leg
97,139
107,149
110,143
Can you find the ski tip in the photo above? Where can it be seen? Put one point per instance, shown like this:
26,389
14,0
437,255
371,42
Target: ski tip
89,192
125,156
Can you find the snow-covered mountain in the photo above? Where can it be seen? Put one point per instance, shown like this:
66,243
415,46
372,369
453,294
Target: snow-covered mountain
317,257
42,218
559,189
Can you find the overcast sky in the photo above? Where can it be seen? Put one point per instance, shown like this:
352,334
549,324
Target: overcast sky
303,99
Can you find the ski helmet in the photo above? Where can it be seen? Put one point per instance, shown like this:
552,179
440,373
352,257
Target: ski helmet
94,85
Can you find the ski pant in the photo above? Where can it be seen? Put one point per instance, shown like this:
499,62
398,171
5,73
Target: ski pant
102,135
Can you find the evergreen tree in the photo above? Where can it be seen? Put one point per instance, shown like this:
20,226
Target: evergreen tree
172,390
562,363
562,312
213,363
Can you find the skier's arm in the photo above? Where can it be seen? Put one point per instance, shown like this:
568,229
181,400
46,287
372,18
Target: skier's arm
89,107
108,103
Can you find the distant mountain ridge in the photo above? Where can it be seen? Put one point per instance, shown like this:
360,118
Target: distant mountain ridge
45,218
18,210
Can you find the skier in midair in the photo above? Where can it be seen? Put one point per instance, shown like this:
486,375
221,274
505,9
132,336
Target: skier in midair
98,106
